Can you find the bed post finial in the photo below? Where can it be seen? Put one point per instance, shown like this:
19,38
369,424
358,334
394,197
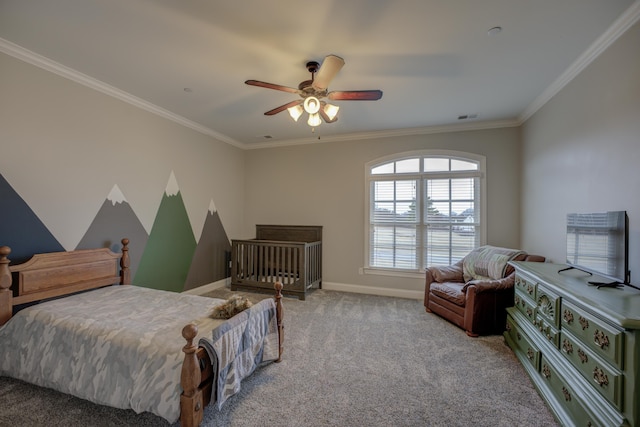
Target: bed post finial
6,303
191,403
279,316
125,273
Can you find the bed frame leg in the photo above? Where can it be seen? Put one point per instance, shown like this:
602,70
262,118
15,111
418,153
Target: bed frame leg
125,273
279,317
191,403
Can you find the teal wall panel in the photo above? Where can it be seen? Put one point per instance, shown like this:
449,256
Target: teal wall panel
170,248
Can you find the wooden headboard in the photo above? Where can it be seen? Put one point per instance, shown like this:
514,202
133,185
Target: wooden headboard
289,233
59,273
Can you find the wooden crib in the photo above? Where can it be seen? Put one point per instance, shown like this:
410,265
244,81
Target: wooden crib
290,254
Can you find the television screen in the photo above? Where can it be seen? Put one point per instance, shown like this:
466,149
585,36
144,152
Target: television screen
598,243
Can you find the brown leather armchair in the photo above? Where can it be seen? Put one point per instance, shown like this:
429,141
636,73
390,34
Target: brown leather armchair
475,292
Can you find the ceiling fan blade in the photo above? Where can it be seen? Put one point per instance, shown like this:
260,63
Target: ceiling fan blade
355,95
271,86
283,107
328,70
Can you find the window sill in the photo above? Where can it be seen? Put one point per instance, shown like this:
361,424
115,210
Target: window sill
411,274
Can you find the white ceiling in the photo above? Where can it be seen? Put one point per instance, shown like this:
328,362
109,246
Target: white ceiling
433,59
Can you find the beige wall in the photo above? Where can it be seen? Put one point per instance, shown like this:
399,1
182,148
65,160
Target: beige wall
581,152
64,146
323,184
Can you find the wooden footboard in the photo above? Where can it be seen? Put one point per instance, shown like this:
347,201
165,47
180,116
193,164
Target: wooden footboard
196,377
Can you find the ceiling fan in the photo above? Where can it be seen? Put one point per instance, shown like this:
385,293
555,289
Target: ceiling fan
314,91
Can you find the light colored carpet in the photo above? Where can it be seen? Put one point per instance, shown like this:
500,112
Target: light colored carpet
350,360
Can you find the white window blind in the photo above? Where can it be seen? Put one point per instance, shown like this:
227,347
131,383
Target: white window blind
422,211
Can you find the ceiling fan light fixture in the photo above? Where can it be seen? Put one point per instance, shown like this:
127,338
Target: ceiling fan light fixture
331,111
314,120
312,91
295,112
312,105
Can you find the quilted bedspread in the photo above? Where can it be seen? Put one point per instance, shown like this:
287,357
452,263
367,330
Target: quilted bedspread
120,346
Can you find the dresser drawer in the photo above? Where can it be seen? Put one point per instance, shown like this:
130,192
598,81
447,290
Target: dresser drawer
548,305
566,396
548,331
524,343
525,305
605,340
525,285
601,376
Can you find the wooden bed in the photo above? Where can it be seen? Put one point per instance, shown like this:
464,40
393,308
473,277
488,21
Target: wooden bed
58,274
290,254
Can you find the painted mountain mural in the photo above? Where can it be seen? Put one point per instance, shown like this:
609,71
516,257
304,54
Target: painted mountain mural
170,247
210,259
116,220
20,227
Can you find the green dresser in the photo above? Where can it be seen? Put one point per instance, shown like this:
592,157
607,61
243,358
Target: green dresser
580,345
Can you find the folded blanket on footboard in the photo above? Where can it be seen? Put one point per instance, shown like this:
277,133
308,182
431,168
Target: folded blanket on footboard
239,345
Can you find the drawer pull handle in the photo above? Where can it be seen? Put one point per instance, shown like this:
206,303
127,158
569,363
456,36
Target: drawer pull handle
529,312
600,377
567,395
517,300
530,289
601,339
566,346
568,316
530,354
583,356
546,372
508,327
583,322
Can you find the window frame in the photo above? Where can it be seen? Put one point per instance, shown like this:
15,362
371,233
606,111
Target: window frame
480,173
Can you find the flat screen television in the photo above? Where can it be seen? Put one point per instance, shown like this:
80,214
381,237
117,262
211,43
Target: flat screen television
598,243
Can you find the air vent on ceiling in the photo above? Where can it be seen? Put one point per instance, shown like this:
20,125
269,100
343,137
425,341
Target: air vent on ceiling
467,116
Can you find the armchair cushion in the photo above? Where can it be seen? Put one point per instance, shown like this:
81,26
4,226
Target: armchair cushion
447,273
454,292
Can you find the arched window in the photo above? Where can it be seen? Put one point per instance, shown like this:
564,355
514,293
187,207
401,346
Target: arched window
423,208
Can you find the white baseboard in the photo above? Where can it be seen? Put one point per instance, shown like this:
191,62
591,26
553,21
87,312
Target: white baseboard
329,286
372,290
201,290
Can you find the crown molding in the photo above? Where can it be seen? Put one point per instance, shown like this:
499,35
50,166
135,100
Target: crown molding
619,27
45,63
391,133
